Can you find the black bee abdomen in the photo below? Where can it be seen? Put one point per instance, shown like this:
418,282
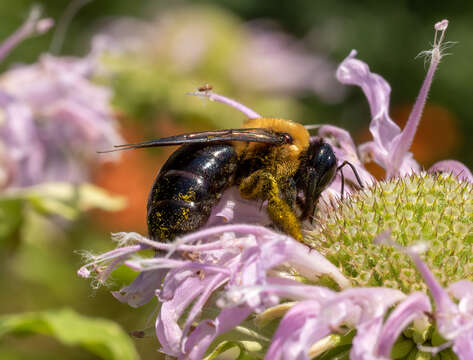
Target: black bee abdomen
187,187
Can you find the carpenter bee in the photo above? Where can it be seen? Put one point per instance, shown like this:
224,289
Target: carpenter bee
269,159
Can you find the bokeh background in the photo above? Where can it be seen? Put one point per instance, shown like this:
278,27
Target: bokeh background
278,58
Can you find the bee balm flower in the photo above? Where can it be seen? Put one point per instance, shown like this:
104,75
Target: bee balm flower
342,295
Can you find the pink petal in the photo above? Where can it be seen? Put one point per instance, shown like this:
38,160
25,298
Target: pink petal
463,291
390,146
295,290
207,330
233,209
142,289
446,311
311,264
454,167
214,282
372,301
414,306
311,320
287,342
168,331
343,141
463,345
365,341
355,72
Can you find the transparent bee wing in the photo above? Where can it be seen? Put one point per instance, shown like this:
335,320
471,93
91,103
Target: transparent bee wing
259,135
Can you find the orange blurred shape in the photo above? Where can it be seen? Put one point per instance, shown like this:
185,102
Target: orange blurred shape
132,177
437,136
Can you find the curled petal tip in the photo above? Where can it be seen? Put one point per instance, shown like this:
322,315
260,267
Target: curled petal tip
83,272
441,25
44,25
454,167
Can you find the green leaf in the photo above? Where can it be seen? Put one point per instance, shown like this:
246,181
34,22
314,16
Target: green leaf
101,337
67,199
63,199
94,197
7,352
228,345
10,221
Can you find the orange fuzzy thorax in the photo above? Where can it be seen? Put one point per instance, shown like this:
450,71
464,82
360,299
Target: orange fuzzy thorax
285,159
298,133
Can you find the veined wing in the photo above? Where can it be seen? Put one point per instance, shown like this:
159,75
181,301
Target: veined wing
259,135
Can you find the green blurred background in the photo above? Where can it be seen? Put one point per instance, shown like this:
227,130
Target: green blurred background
39,273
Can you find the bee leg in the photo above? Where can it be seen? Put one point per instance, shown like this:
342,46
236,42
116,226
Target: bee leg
262,185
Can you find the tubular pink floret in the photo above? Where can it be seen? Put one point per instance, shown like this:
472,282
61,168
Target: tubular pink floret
441,25
411,308
408,133
251,114
34,25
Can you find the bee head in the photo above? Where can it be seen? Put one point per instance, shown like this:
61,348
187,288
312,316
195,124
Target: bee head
317,170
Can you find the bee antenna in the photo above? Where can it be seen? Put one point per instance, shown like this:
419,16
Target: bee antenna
340,168
120,148
111,150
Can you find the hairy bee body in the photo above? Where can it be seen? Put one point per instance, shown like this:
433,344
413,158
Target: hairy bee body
271,160
196,175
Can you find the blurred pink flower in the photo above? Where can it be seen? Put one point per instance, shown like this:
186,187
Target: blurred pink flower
261,57
273,61
53,120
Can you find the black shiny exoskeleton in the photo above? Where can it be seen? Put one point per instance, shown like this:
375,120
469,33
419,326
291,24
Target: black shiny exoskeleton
187,187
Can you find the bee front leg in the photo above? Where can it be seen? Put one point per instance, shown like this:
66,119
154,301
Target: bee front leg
262,185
